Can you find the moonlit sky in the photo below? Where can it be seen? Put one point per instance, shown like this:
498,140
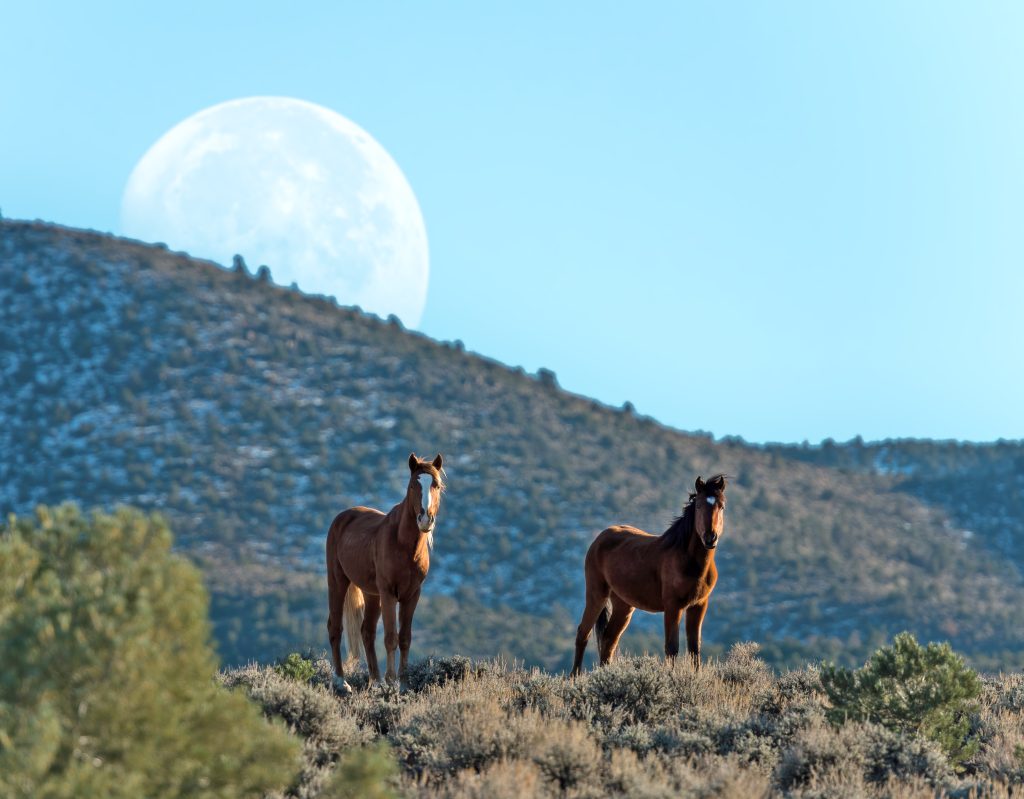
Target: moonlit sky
784,221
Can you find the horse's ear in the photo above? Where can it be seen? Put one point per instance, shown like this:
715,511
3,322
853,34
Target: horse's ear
438,462
413,461
699,485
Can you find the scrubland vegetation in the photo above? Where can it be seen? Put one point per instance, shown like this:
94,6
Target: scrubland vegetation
109,688
635,728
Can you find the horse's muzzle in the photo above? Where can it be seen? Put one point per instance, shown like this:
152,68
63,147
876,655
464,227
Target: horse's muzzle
425,522
711,541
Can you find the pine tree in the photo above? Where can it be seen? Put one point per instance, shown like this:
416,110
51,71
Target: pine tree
107,681
911,689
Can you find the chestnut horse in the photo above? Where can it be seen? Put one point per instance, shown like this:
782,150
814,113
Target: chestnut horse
377,562
627,568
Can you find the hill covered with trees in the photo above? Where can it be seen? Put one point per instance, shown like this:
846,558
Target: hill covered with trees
249,414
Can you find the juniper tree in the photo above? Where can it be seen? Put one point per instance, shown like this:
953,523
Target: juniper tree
921,690
107,687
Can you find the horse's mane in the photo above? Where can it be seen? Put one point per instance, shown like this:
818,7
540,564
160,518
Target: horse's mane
679,532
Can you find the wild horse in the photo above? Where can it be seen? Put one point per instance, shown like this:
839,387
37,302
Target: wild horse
627,568
377,562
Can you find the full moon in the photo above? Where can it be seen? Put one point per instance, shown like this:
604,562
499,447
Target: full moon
292,185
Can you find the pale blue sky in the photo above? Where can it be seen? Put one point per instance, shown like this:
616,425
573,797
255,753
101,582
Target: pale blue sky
781,221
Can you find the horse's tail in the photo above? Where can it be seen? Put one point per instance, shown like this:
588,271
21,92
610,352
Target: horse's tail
601,623
354,607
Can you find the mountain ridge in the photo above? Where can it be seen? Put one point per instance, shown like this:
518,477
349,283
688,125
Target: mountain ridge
250,414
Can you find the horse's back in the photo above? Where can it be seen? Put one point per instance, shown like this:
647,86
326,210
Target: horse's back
615,541
357,522
626,560
618,536
356,514
351,544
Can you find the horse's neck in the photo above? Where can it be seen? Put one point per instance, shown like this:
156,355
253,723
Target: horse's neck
407,532
698,557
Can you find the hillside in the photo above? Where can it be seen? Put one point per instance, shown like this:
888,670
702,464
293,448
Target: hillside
250,414
980,486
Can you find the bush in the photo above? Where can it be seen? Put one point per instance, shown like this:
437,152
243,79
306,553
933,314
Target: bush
743,667
296,667
910,689
309,710
364,774
569,758
856,755
468,732
438,671
107,684
640,689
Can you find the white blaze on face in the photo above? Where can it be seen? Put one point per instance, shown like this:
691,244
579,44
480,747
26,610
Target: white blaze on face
711,501
426,481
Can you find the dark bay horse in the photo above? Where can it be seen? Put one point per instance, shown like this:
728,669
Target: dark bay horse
627,568
376,562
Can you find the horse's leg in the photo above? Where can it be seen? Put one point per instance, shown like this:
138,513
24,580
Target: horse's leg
621,614
337,587
673,613
596,600
405,611
694,620
388,605
371,615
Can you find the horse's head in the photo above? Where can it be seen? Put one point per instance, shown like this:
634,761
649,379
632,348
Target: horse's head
424,491
709,509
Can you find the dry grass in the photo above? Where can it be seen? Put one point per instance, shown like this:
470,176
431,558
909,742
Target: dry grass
637,728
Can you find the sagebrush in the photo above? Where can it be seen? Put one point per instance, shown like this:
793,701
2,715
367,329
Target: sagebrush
635,728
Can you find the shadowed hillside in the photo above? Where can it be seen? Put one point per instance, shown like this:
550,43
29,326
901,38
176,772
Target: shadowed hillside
250,414
980,486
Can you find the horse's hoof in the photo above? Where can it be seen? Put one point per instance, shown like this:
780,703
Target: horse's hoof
341,686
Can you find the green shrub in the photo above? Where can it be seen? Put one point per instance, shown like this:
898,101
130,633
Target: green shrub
296,667
911,689
107,686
